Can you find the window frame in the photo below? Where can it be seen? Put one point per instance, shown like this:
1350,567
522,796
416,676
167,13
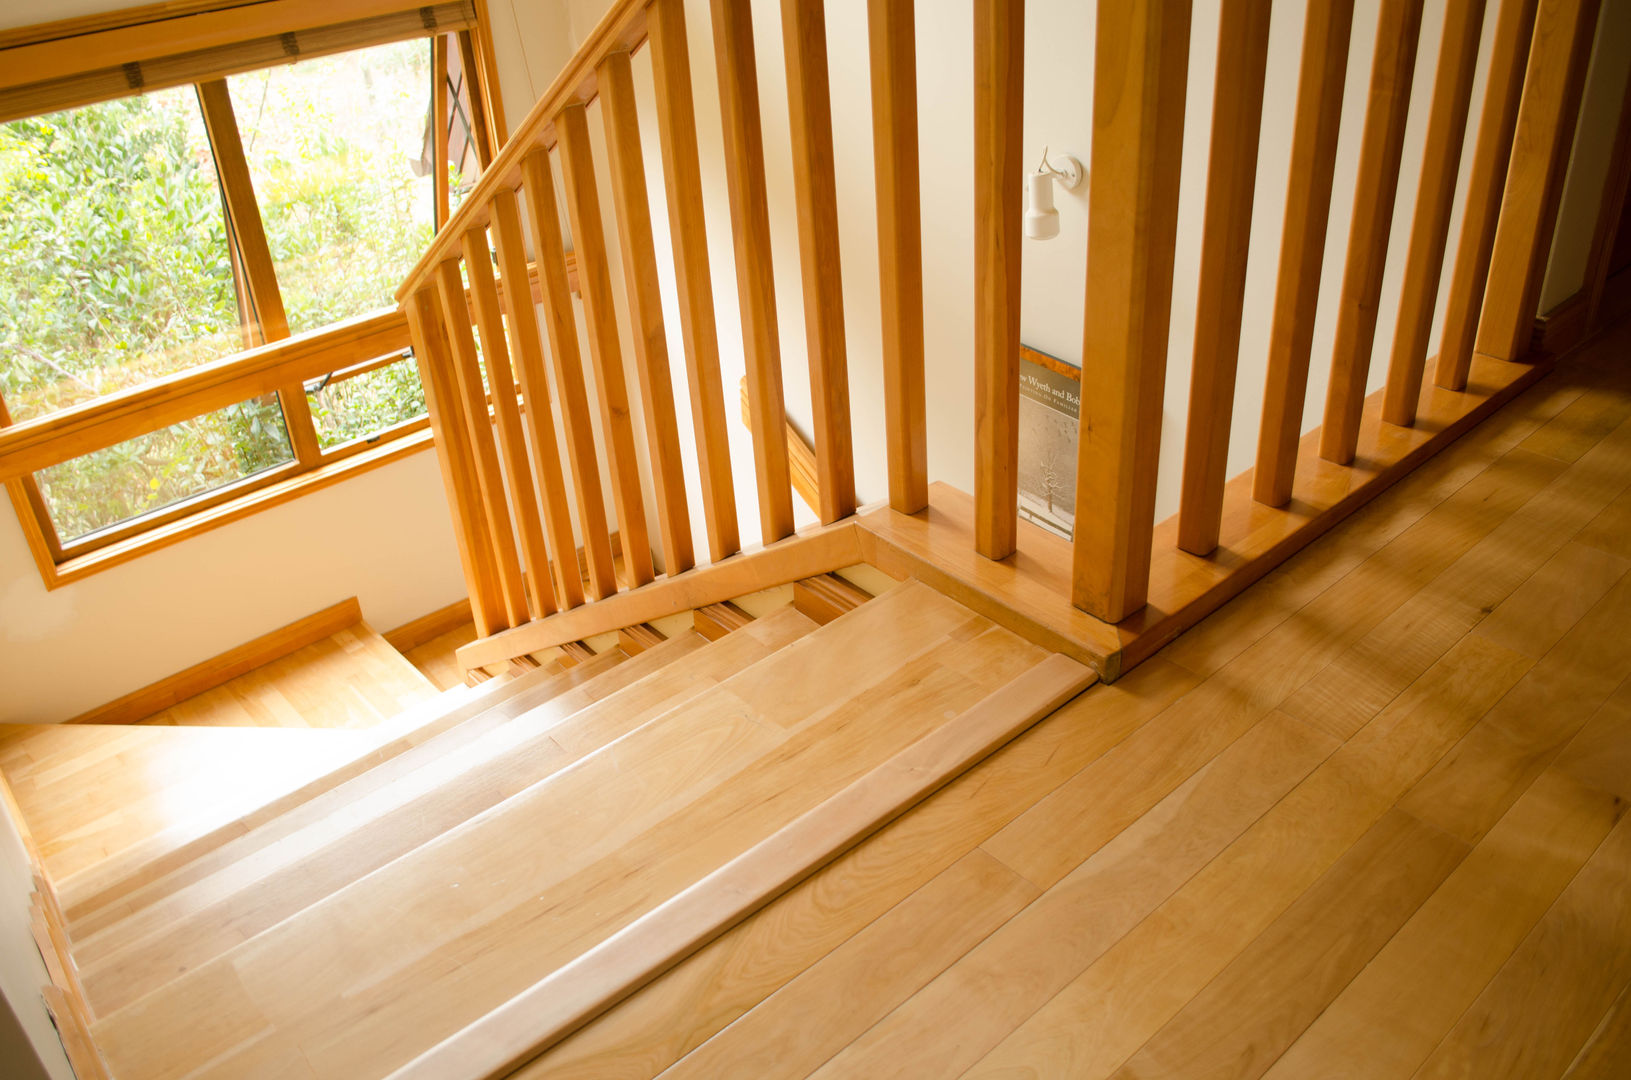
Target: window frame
272,360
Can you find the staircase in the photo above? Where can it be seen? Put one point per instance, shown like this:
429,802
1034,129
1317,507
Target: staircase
452,895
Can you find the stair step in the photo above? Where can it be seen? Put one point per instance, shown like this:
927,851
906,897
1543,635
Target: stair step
714,621
100,893
428,944
267,885
827,596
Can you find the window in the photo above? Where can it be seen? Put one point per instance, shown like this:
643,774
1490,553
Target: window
146,236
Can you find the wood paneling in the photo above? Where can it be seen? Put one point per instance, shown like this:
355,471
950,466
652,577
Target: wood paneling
1302,245
999,115
1141,69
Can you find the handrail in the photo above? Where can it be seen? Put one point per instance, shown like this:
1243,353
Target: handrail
622,29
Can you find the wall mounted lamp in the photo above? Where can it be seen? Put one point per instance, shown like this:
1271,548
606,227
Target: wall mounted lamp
1041,219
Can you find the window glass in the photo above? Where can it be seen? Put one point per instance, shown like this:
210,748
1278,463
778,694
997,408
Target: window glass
153,471
334,146
362,405
114,265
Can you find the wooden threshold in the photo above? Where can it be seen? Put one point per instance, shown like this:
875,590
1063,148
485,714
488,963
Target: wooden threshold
576,993
1029,592
815,551
218,670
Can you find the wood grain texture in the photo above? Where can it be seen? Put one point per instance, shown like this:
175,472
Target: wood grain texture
1302,246
755,286
1552,83
605,348
999,110
626,163
1237,119
1435,200
566,364
1387,108
1141,69
815,190
1514,28
526,346
693,277
892,47
512,440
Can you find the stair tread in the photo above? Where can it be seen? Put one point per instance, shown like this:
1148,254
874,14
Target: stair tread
484,910
248,896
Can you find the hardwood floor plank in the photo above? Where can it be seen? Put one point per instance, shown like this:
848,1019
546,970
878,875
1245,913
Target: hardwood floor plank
1607,1054
1533,618
1548,997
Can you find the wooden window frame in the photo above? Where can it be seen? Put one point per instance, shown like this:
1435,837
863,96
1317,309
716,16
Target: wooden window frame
271,362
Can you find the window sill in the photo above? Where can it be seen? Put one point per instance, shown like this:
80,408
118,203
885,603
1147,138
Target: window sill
78,567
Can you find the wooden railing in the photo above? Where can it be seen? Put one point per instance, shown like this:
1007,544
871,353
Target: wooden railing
513,499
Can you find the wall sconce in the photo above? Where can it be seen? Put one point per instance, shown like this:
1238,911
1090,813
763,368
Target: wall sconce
1041,219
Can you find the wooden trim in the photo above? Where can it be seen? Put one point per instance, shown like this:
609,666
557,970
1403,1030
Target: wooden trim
1562,328
636,639
427,627
111,20
1141,70
825,597
238,192
491,92
580,990
693,276
755,284
714,621
999,124
472,80
818,551
622,28
1302,245
1237,120
172,689
892,42
801,459
626,164
815,193
75,1034
1547,114
440,109
1393,69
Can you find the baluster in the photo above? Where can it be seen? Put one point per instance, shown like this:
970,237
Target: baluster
999,122
892,36
628,171
804,35
755,287
1513,29
1552,84
1237,116
693,278
605,352
1302,244
1435,198
454,456
1388,106
473,397
1141,69
538,186
529,370
512,442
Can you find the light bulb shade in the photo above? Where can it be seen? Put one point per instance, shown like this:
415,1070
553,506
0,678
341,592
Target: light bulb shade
1041,219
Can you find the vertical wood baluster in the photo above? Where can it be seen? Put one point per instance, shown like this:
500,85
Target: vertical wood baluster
1552,84
693,279
755,286
804,34
1302,244
1387,107
605,349
453,456
1435,198
527,348
484,455
999,122
1503,92
628,171
512,442
1141,70
1237,116
538,187
892,37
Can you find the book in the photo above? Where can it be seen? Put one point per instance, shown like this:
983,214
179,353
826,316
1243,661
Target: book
1050,409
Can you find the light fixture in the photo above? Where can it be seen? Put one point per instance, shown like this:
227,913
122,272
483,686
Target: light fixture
1041,219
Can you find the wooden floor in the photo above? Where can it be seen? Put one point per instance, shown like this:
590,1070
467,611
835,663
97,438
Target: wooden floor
1366,821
